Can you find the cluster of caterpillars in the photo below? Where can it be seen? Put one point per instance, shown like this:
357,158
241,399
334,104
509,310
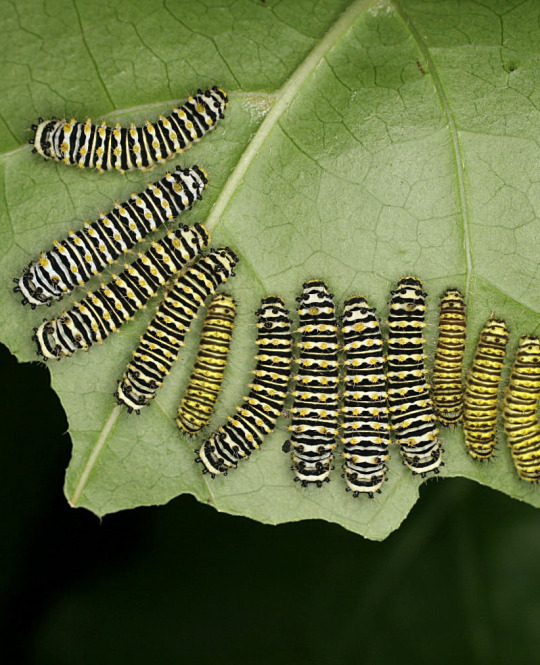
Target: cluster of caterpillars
353,387
348,384
345,387
478,402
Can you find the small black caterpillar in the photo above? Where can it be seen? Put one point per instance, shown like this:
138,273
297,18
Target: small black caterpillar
126,148
315,412
197,404
257,415
74,260
160,344
448,361
365,427
105,310
410,404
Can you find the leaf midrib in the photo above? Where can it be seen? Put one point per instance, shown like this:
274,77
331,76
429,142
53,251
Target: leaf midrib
284,98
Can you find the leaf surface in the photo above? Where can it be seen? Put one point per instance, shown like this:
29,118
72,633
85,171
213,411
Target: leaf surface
364,141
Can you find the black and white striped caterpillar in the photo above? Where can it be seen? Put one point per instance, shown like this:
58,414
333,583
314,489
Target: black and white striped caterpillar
482,389
160,344
74,260
256,416
125,148
105,310
448,361
197,404
521,422
365,427
315,412
410,404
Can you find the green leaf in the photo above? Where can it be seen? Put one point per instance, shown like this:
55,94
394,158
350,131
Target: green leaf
364,141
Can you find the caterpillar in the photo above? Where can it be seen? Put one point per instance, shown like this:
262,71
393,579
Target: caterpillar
365,427
106,309
521,409
74,260
125,148
198,402
482,388
315,411
409,400
448,362
257,414
160,344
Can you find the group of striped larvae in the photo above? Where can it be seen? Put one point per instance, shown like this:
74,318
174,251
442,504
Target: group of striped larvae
348,384
383,392
347,387
477,404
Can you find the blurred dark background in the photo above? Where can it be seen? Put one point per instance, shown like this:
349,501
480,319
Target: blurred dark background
459,581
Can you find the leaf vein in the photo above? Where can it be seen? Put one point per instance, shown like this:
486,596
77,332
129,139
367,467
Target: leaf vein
91,55
454,135
285,97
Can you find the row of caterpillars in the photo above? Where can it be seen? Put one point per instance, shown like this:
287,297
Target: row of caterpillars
380,394
385,394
